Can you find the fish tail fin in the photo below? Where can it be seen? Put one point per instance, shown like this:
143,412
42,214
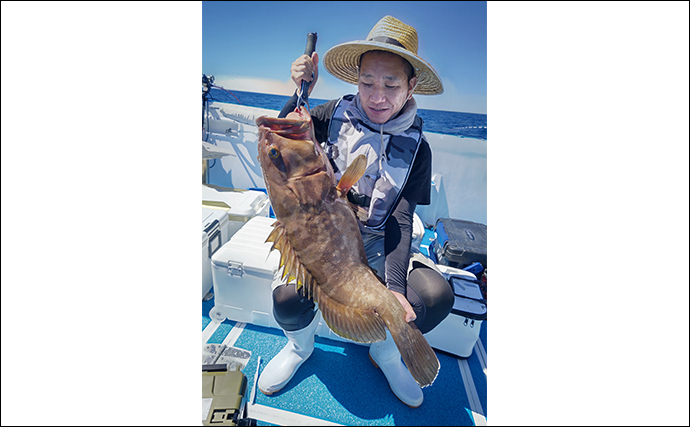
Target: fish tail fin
416,352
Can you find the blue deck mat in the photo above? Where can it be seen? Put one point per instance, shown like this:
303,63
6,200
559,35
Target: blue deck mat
338,383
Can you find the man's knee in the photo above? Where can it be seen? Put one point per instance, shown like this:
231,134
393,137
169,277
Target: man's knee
436,294
291,309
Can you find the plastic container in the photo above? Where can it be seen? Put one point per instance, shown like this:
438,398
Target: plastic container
222,392
460,243
240,205
475,268
214,226
458,333
243,271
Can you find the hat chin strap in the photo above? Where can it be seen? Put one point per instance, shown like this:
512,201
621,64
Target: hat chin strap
399,109
413,88
407,99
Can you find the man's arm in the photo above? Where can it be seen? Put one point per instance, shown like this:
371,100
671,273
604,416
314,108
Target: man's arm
397,243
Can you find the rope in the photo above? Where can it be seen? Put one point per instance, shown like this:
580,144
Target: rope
222,88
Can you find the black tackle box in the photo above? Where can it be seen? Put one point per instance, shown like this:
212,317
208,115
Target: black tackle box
459,243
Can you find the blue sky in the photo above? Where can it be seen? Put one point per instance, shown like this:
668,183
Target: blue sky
251,45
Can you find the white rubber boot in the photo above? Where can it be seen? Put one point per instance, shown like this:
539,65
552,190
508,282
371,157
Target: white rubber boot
385,355
283,366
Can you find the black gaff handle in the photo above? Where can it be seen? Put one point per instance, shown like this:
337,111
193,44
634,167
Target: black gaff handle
311,47
311,44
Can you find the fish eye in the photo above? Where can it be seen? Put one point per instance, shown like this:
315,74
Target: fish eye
273,153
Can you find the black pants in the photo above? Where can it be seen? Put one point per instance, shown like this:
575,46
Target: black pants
429,294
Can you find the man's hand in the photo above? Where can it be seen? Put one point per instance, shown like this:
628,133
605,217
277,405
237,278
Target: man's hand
409,312
303,67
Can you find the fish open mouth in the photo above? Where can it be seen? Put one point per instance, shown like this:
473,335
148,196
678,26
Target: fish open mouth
287,128
298,130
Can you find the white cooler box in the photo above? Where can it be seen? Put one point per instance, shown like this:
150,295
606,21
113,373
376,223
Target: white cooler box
241,205
243,271
458,332
236,207
214,225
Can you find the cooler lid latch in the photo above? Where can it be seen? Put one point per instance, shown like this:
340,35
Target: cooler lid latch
235,268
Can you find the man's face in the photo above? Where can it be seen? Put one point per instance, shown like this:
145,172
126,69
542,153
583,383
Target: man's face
383,86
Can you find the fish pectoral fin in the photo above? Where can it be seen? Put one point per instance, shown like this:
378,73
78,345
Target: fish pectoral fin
354,324
353,173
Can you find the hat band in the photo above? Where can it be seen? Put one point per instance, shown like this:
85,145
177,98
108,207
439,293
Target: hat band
388,40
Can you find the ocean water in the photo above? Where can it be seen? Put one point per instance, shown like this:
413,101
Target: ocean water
468,125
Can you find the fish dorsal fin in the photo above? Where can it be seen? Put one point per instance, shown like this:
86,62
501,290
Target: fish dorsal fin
293,268
353,173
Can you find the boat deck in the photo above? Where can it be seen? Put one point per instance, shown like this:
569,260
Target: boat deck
338,384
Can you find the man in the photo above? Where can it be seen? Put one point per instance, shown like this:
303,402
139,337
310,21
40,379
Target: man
380,121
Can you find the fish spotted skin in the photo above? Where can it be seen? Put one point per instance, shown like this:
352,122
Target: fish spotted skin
318,236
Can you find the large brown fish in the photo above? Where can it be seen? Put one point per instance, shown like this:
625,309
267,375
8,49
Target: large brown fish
321,246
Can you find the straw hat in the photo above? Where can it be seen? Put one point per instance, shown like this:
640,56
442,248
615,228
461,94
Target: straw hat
389,35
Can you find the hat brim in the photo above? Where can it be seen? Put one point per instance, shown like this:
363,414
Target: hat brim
342,62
